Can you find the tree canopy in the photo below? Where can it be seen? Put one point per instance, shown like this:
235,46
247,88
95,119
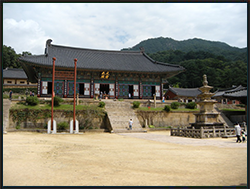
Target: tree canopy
221,72
10,58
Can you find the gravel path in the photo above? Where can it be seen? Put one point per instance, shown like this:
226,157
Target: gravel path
166,138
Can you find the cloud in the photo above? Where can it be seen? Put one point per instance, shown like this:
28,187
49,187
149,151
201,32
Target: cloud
114,26
23,35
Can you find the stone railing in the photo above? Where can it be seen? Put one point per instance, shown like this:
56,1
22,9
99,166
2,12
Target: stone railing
203,133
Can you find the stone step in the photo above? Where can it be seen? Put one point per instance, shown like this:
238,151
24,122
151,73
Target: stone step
114,125
117,108
129,131
123,118
119,114
118,121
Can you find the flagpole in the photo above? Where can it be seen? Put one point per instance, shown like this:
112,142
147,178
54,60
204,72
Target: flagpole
53,94
74,119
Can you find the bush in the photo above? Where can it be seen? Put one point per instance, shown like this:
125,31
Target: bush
241,105
191,105
20,90
62,125
175,105
136,104
57,101
101,104
167,108
151,126
32,100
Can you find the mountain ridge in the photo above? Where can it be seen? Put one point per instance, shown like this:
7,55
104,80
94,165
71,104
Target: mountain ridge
153,45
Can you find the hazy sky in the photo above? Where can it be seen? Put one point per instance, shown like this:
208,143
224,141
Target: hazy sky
113,26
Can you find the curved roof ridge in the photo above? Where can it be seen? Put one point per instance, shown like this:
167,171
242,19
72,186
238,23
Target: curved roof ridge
96,50
161,63
185,91
32,56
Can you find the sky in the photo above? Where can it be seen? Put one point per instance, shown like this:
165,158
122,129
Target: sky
114,26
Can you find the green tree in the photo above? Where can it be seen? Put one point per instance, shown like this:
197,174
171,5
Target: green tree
10,58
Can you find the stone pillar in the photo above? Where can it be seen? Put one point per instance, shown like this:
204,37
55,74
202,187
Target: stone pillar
225,130
146,123
77,99
214,134
49,127
71,130
201,134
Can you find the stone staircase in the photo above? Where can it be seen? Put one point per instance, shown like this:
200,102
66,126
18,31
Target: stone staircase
119,114
6,107
223,118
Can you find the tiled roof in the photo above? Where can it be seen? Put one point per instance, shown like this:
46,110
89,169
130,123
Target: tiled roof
188,92
220,93
236,94
14,73
240,95
100,60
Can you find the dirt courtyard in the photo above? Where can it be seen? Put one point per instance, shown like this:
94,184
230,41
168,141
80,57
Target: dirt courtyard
131,159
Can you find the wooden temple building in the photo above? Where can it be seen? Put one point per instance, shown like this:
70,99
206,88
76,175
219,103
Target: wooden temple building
117,74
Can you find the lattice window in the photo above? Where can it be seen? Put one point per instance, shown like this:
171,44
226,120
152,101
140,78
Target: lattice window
147,92
123,90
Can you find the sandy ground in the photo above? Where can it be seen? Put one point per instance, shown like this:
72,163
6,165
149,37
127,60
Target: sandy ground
131,159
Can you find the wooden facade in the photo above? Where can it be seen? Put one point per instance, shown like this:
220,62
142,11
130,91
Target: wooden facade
117,85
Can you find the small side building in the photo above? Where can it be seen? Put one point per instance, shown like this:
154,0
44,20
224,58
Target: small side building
182,94
221,97
16,78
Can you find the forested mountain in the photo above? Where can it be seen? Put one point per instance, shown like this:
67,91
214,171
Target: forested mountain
224,65
164,44
221,73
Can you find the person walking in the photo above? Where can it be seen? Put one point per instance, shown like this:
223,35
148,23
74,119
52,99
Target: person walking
10,95
243,136
101,95
163,99
244,125
237,132
129,95
130,124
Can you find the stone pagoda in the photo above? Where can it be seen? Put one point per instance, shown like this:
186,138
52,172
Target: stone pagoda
207,117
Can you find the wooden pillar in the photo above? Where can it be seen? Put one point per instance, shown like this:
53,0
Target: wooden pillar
74,111
65,88
92,87
116,87
39,85
53,94
155,100
140,89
